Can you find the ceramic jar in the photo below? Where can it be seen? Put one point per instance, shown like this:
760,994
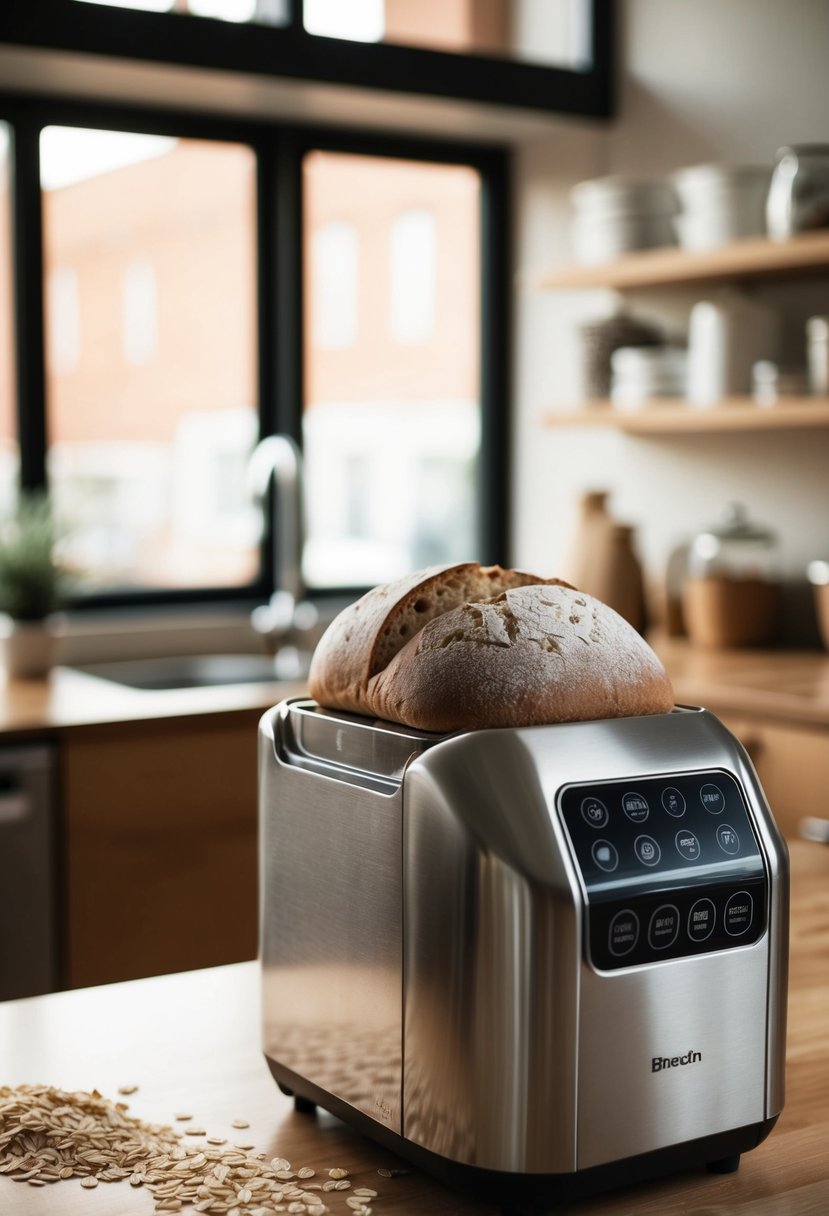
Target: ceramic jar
733,591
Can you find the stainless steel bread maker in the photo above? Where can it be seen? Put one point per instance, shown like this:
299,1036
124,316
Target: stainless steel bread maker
551,958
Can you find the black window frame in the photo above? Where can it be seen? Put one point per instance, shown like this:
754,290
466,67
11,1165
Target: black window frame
291,53
279,149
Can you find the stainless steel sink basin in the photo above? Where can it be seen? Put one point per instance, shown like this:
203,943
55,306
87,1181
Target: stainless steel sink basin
195,671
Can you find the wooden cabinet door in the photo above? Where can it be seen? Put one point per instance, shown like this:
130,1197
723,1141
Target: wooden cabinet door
160,847
792,763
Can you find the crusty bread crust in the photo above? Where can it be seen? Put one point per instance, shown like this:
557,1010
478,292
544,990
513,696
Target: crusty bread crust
532,652
365,637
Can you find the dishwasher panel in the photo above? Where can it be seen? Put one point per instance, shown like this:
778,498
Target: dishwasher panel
28,872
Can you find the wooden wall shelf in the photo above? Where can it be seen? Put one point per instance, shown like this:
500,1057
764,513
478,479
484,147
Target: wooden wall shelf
754,258
673,417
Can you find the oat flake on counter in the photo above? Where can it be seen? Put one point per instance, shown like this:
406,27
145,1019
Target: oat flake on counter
49,1135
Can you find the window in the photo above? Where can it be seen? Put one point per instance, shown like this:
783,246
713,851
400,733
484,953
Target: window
392,418
178,306
149,256
549,55
370,325
551,33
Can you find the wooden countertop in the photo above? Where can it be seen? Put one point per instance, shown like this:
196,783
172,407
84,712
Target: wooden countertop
791,685
70,698
191,1042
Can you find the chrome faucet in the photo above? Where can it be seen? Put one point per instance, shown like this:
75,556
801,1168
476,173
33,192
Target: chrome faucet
278,458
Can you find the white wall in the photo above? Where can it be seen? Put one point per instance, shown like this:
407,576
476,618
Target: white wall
700,80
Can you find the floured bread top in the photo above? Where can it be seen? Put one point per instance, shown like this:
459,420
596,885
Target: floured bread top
467,647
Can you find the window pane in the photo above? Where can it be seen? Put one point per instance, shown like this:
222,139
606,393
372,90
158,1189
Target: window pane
358,20
149,251
8,428
268,12
552,32
392,408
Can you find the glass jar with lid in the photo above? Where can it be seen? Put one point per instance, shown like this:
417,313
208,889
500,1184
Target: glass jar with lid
735,547
732,594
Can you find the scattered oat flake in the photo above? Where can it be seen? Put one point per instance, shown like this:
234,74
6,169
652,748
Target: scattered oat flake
47,1135
216,1140
183,1116
194,1131
127,1089
240,1123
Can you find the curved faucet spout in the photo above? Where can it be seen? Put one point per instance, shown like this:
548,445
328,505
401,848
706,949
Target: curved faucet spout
278,458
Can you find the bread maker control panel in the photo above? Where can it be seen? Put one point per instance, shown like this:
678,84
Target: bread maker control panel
671,867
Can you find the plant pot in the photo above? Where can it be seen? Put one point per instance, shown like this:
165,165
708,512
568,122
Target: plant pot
28,648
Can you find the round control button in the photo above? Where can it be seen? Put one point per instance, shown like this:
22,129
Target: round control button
739,912
687,845
594,812
624,933
673,802
635,807
711,797
605,855
701,920
727,839
664,927
647,850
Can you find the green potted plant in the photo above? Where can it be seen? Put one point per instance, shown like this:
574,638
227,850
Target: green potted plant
32,582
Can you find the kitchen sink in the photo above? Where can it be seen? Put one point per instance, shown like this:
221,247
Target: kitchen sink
199,670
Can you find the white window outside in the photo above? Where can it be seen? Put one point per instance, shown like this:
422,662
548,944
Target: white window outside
64,329
139,312
413,277
335,273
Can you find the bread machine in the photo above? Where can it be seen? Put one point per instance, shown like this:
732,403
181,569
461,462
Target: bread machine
545,961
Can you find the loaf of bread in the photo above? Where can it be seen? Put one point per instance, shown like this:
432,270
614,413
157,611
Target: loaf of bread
466,647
